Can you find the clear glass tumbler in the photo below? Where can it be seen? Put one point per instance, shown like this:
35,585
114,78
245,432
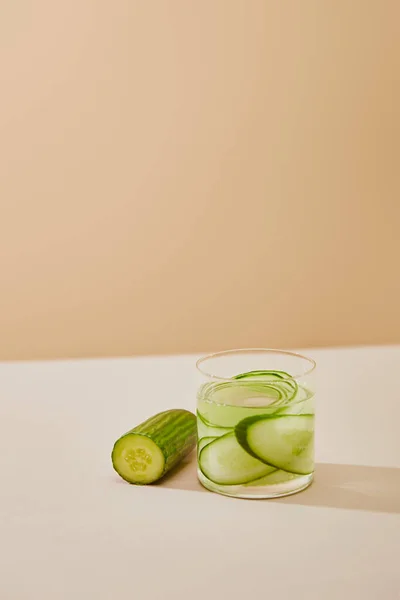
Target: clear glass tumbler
255,418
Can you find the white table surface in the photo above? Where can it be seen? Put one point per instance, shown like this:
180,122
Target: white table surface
70,529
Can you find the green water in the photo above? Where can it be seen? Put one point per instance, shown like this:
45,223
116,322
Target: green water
262,424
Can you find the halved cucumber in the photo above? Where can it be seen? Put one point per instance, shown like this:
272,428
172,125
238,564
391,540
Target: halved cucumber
285,441
151,449
225,462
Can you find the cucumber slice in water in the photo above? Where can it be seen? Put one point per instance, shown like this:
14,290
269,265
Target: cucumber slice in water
285,441
205,429
204,442
277,476
280,381
234,392
224,404
302,403
225,462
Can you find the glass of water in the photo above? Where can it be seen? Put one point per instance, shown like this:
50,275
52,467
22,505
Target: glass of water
255,418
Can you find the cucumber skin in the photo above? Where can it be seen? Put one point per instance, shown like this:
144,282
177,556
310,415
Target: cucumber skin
174,431
241,433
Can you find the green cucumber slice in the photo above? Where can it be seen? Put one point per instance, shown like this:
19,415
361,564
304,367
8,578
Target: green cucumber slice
148,451
226,417
205,429
224,404
277,476
225,462
302,403
231,404
204,442
283,441
281,381
234,392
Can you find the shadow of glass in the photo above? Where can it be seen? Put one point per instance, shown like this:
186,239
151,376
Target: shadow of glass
353,487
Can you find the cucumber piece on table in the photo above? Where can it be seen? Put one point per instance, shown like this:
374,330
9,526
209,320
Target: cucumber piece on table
146,452
285,441
225,462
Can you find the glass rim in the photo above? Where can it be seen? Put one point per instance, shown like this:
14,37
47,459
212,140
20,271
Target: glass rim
221,353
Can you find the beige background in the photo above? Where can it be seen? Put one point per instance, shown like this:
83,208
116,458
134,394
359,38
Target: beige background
192,175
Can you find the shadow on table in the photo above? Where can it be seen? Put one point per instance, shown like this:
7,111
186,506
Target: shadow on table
336,486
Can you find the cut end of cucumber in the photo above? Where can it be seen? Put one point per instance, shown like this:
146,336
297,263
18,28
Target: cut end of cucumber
137,459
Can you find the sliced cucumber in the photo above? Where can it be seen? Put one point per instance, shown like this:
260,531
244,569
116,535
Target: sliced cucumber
285,441
225,462
228,405
277,476
234,392
281,381
205,429
227,417
302,403
224,404
147,452
204,442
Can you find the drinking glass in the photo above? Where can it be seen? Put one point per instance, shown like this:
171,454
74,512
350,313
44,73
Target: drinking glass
255,419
